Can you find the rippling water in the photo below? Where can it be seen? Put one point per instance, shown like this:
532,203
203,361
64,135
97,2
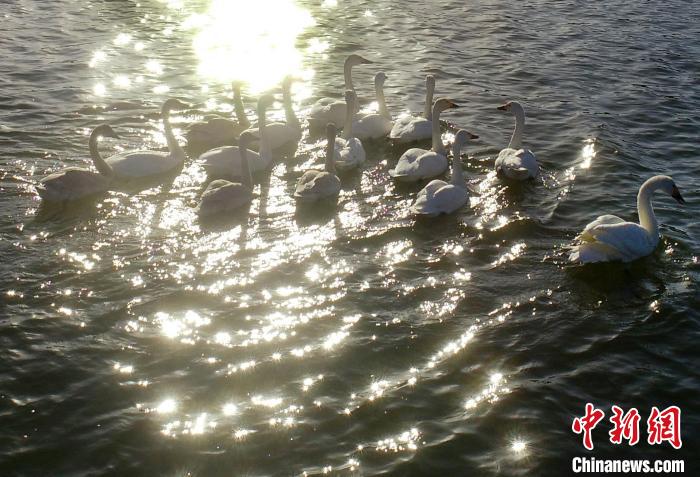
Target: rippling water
135,341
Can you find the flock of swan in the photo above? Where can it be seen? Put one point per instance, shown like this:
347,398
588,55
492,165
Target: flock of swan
230,168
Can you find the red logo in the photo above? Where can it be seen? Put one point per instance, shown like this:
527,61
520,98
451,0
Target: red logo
626,426
662,426
587,423
665,426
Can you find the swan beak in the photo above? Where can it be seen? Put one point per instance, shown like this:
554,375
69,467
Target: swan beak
676,194
454,105
472,135
503,107
365,61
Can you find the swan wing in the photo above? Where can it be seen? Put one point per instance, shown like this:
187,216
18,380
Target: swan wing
372,126
412,166
314,185
279,134
439,197
348,153
140,164
411,129
518,164
328,110
214,131
222,196
628,239
71,184
226,162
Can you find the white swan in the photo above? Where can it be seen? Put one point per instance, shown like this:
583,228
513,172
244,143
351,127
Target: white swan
225,162
440,197
283,134
222,196
409,129
332,110
219,131
416,164
317,185
133,165
515,162
74,183
349,152
375,125
609,238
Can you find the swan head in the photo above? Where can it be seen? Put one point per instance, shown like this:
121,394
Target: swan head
429,81
379,79
510,106
354,60
463,136
174,103
287,83
265,101
667,185
236,87
676,194
104,130
245,140
443,104
331,131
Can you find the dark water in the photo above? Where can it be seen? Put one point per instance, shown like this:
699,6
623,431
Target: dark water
134,341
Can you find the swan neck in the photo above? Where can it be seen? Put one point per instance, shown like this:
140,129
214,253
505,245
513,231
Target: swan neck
349,113
240,109
437,139
330,156
100,164
289,114
246,177
647,218
381,101
516,139
428,111
347,74
262,127
173,145
457,173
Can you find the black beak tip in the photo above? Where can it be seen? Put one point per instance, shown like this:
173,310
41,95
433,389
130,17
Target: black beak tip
679,198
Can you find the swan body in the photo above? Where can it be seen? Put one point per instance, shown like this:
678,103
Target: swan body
219,131
134,165
416,163
610,238
348,151
516,162
375,125
408,129
225,162
222,196
331,110
74,183
440,197
282,134
316,185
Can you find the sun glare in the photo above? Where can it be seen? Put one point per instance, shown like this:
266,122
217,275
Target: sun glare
253,42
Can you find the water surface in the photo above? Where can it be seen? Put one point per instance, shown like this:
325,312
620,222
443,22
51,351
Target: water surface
136,341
